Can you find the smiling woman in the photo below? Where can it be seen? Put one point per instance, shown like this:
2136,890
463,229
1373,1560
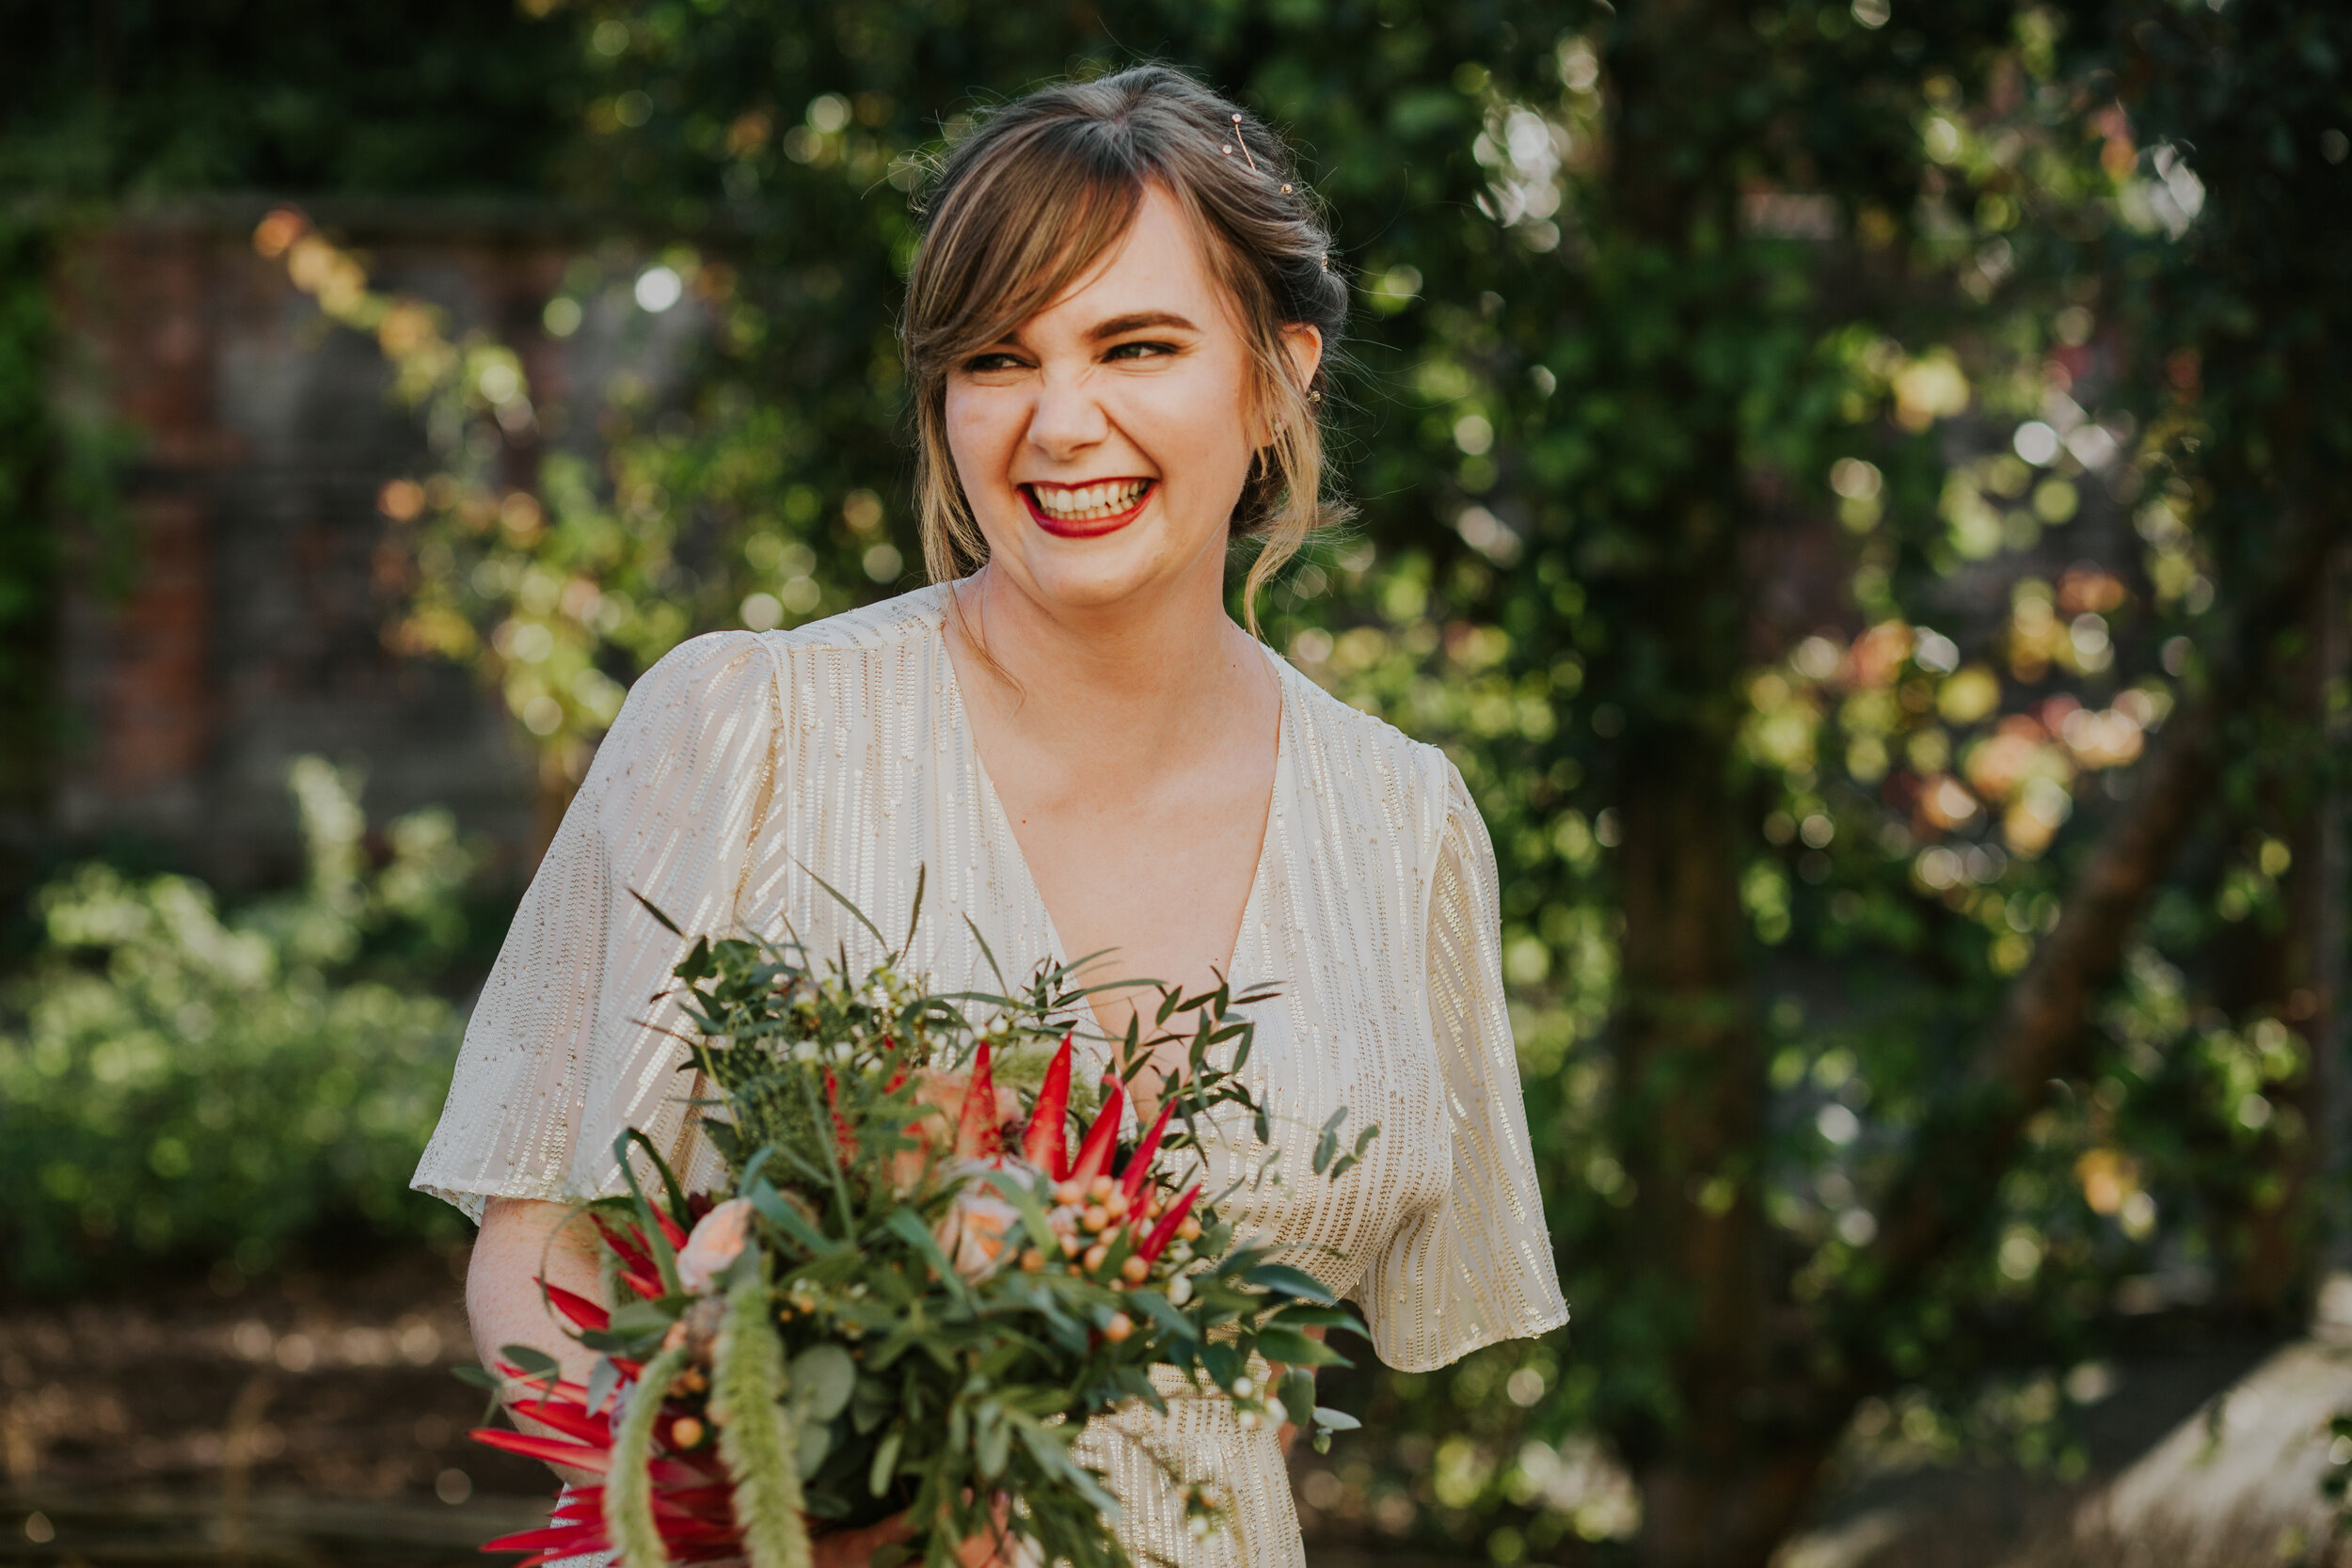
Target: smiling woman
1066,747
1134,245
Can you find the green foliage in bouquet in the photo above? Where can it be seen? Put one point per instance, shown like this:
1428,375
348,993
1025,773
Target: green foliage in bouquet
921,1282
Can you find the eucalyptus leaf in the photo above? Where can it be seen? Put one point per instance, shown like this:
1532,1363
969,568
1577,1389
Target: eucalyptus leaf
636,1319
603,1381
816,1443
530,1360
1286,1281
823,1378
886,1466
994,1441
1291,1347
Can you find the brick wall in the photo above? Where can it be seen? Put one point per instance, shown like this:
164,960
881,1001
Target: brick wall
240,624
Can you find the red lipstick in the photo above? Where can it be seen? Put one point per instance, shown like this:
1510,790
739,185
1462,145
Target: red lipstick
1086,528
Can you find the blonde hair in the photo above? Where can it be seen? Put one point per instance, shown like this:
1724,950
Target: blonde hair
1023,206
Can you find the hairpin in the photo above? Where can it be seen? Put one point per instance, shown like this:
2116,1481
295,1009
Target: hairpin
1244,146
1286,190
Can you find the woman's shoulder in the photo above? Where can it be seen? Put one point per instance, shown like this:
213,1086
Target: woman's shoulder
908,620
719,668
1361,755
695,698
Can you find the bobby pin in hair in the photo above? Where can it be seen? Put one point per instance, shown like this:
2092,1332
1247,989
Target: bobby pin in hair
1244,146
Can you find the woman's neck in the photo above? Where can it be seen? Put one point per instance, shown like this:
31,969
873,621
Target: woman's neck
1117,684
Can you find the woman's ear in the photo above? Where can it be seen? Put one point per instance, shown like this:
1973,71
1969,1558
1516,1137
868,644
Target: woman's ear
1302,346
1303,343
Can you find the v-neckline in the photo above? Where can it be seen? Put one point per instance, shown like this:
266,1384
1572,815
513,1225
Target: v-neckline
992,807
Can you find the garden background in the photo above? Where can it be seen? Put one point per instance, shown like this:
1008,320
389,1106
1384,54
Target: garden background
1861,490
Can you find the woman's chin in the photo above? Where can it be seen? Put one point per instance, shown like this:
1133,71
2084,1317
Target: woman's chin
1089,575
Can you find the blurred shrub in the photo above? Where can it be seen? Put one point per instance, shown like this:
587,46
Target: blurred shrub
178,1082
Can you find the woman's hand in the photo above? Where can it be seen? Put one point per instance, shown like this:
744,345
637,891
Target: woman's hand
855,1548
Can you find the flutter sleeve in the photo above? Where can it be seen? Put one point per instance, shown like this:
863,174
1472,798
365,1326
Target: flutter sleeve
565,1049
1477,1268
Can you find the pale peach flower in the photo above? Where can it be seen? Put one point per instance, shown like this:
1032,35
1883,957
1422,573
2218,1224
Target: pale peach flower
980,1231
939,1105
716,1242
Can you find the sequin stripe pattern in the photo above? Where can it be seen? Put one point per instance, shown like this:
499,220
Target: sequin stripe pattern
1344,1029
1486,1273
741,765
1202,1441
564,1048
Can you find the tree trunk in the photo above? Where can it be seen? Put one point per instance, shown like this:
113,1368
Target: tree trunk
2291,981
1691,1080
1957,1162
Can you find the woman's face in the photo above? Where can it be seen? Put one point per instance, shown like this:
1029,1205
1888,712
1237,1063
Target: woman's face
1104,444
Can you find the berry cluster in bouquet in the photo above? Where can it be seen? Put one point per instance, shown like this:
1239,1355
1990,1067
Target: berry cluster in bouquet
933,1260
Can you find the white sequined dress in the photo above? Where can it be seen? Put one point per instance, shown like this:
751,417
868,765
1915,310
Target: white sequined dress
844,747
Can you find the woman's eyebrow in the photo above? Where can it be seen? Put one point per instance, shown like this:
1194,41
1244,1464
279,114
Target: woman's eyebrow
1139,320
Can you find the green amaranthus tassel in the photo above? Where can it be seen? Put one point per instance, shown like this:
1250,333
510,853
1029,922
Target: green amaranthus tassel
628,1488
755,1436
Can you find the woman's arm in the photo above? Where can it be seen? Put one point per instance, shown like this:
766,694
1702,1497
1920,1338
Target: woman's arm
522,1239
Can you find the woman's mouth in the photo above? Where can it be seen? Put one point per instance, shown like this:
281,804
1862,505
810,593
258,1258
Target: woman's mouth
1087,511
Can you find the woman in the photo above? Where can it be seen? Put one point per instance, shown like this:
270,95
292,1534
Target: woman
1115,334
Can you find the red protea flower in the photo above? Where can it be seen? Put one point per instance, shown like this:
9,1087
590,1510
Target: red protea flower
691,1497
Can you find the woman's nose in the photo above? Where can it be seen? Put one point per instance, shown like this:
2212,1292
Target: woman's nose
1067,419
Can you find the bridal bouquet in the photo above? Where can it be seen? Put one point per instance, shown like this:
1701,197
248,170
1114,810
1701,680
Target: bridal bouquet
933,1260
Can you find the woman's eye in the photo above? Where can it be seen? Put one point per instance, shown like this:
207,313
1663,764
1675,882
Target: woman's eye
1140,350
980,364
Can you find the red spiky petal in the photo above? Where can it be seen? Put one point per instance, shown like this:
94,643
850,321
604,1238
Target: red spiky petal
978,1136
578,1309
1045,1144
1139,1165
579,1455
568,1419
630,1250
1094,1155
1165,1231
563,1390
573,1539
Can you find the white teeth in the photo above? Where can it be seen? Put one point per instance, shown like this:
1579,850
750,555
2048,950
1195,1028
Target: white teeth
1085,502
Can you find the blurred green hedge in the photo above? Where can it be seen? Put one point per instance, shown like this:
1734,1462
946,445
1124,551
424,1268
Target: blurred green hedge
181,1083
